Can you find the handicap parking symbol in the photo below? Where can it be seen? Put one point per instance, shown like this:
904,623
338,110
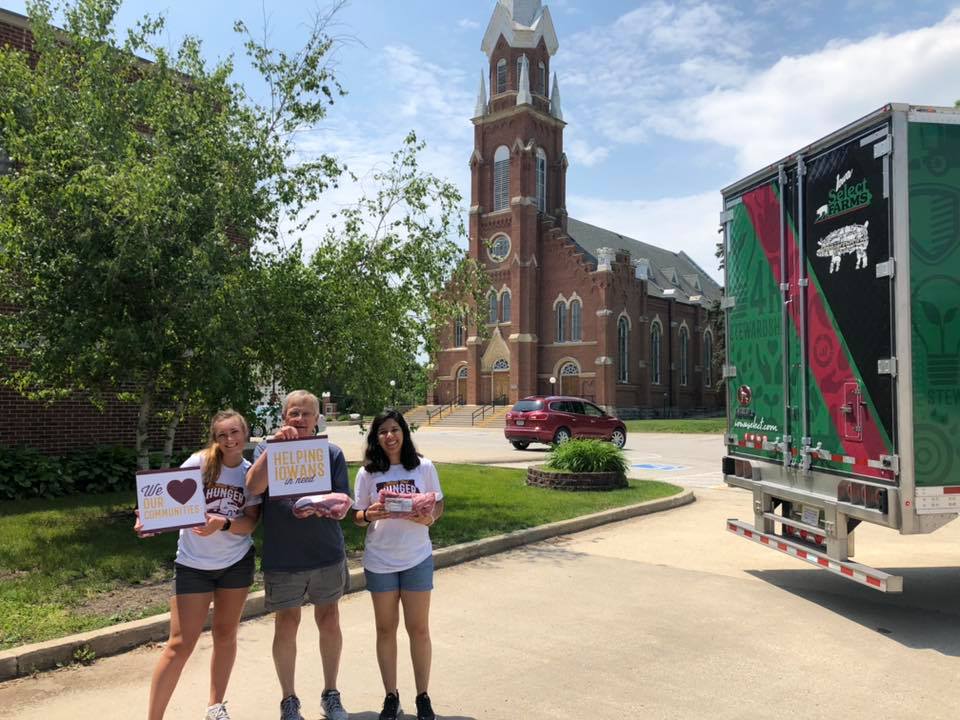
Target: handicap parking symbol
658,466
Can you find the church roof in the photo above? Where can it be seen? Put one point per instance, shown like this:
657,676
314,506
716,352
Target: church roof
671,274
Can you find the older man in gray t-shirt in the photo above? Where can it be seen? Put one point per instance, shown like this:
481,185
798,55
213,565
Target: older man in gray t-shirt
303,560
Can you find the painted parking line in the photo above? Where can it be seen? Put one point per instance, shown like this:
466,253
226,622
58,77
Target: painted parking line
658,466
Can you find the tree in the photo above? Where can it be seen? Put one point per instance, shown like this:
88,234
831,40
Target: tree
137,192
377,288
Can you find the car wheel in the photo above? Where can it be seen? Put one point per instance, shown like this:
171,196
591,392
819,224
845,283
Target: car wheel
619,438
520,445
561,436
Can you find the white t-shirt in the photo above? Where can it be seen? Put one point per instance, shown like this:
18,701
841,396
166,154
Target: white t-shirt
225,497
394,544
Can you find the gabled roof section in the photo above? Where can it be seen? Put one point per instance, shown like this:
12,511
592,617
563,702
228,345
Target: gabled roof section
665,267
522,23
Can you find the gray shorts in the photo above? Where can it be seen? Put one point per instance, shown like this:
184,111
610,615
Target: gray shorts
292,589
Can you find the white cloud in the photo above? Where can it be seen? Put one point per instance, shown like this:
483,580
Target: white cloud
800,99
581,153
425,89
467,24
681,223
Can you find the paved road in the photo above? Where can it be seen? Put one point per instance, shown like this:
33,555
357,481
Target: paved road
665,616
687,460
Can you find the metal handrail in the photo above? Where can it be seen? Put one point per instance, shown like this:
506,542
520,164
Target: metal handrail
482,412
438,412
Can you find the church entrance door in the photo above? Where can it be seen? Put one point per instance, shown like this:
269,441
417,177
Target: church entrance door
501,387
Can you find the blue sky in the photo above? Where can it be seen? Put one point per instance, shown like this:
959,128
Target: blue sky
666,102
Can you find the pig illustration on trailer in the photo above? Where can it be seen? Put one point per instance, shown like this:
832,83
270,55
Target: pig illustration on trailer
848,239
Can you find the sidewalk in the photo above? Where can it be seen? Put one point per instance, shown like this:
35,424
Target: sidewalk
27,659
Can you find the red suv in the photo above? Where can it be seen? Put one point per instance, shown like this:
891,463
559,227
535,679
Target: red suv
556,419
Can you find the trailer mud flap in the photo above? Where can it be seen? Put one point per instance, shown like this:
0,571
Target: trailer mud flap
872,578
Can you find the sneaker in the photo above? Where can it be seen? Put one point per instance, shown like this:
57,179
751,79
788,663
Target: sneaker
290,708
217,712
391,707
332,707
424,708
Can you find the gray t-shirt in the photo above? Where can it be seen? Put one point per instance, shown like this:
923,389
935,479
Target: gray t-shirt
293,544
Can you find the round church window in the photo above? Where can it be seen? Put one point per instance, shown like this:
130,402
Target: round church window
500,248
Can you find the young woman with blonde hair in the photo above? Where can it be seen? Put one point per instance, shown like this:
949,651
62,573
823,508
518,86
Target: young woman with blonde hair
215,563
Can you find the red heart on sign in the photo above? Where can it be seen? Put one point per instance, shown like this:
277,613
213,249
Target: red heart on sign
182,490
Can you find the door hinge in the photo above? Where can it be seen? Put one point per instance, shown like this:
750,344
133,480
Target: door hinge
886,269
887,366
729,371
727,302
882,148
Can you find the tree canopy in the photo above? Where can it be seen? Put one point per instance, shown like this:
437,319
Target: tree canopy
137,227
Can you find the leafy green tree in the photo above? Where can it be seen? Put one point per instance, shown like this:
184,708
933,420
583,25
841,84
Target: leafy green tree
376,290
136,193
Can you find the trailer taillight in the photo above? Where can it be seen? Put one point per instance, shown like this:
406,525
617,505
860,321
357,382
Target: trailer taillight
868,496
739,468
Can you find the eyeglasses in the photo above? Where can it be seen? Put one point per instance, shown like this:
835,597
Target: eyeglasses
297,413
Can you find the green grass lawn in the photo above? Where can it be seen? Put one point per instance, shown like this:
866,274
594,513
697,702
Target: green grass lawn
59,557
692,425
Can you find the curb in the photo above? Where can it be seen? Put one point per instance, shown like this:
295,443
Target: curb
28,659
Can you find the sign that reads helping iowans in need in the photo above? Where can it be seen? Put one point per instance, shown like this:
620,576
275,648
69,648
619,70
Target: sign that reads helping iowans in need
170,499
298,467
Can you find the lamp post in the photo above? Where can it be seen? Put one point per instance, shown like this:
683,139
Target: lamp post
553,383
393,393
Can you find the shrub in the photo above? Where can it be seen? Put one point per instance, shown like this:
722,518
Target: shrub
26,473
587,456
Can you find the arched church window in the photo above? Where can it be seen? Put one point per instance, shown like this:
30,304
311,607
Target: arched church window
501,76
505,306
501,365
561,312
541,180
569,369
623,347
492,308
576,333
501,178
542,79
684,353
458,333
655,338
462,373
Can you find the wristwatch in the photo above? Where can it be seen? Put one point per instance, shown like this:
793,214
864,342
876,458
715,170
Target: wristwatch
226,525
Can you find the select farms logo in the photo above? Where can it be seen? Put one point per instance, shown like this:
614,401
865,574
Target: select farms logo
845,198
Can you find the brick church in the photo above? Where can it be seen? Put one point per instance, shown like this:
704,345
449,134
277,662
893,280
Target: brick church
574,309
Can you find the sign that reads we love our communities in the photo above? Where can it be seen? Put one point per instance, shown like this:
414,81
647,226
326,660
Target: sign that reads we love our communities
298,467
170,499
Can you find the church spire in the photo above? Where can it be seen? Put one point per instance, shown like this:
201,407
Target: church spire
481,108
523,92
555,99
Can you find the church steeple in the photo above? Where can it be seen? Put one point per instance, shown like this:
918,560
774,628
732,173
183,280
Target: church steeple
523,92
481,109
555,99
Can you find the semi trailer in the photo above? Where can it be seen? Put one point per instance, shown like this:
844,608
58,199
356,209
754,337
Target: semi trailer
842,313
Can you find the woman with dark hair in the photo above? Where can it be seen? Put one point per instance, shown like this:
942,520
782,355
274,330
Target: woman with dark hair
398,554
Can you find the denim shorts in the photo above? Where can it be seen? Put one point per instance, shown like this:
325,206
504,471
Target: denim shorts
419,578
285,589
188,580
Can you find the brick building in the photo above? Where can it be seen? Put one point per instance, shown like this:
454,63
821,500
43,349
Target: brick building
74,423
608,318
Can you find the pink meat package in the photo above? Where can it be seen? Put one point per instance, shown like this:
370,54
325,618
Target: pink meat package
329,505
406,505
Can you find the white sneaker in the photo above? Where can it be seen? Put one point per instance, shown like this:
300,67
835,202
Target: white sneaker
332,707
217,712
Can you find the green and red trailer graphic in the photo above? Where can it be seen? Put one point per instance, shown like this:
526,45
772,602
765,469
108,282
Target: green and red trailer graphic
842,301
